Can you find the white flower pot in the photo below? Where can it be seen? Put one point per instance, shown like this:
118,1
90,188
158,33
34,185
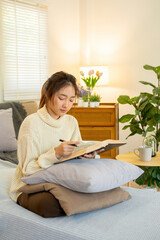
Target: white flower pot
96,104
80,102
85,104
92,104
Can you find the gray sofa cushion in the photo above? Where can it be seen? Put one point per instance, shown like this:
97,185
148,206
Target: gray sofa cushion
19,115
8,141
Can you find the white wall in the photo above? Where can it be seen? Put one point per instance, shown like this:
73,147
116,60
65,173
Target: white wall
123,35
64,36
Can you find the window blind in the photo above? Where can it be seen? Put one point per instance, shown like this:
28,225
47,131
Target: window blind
24,49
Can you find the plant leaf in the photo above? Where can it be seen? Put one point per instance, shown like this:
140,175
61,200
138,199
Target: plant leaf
148,111
140,180
157,117
158,135
126,118
158,176
125,127
156,91
149,67
150,170
124,99
143,103
155,99
147,83
155,69
136,112
134,100
133,133
143,94
158,183
150,129
154,173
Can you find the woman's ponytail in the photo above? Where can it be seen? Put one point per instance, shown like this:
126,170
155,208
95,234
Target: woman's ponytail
43,95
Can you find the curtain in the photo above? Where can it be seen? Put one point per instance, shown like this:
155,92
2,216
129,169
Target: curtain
24,44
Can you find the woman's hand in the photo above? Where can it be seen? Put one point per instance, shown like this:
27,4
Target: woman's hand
89,155
65,148
92,154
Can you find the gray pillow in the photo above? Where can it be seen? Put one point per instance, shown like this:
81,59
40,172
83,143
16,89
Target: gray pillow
18,111
87,175
8,140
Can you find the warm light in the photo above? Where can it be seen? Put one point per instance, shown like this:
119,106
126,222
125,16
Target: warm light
103,81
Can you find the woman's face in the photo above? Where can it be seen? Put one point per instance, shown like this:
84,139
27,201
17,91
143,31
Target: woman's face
61,102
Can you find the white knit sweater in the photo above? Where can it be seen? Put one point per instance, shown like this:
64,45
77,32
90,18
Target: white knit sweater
38,136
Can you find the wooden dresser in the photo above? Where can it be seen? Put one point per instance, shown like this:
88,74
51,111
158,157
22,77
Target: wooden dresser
98,124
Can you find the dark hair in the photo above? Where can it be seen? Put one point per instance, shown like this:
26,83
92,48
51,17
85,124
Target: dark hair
57,81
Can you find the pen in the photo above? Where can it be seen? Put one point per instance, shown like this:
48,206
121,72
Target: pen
61,140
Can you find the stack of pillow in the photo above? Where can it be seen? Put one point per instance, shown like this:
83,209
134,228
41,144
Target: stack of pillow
83,185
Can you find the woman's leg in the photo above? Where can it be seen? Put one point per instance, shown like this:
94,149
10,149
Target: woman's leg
41,203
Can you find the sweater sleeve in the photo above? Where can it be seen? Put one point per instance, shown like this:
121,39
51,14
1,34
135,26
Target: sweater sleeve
76,136
29,156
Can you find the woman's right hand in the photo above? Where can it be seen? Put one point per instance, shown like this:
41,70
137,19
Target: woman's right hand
65,149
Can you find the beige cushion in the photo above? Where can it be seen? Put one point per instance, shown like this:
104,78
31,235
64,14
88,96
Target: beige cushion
75,202
30,107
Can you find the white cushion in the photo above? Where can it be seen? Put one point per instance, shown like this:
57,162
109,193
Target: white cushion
8,140
87,175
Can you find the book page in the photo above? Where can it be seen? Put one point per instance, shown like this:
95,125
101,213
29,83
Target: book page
84,144
91,146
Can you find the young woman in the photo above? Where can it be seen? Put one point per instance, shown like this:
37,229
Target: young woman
39,145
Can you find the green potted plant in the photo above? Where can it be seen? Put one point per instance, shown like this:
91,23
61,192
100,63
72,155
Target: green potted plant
85,100
94,100
147,110
146,119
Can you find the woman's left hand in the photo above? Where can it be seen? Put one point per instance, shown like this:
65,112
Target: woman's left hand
88,155
92,154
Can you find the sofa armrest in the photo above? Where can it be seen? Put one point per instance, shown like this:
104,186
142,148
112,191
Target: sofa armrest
30,107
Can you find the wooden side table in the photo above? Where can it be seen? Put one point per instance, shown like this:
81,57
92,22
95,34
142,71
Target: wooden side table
130,157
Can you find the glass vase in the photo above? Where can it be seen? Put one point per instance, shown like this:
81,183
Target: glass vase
151,142
89,94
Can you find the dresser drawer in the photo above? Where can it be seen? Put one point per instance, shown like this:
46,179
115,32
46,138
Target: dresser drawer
94,117
97,133
109,154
